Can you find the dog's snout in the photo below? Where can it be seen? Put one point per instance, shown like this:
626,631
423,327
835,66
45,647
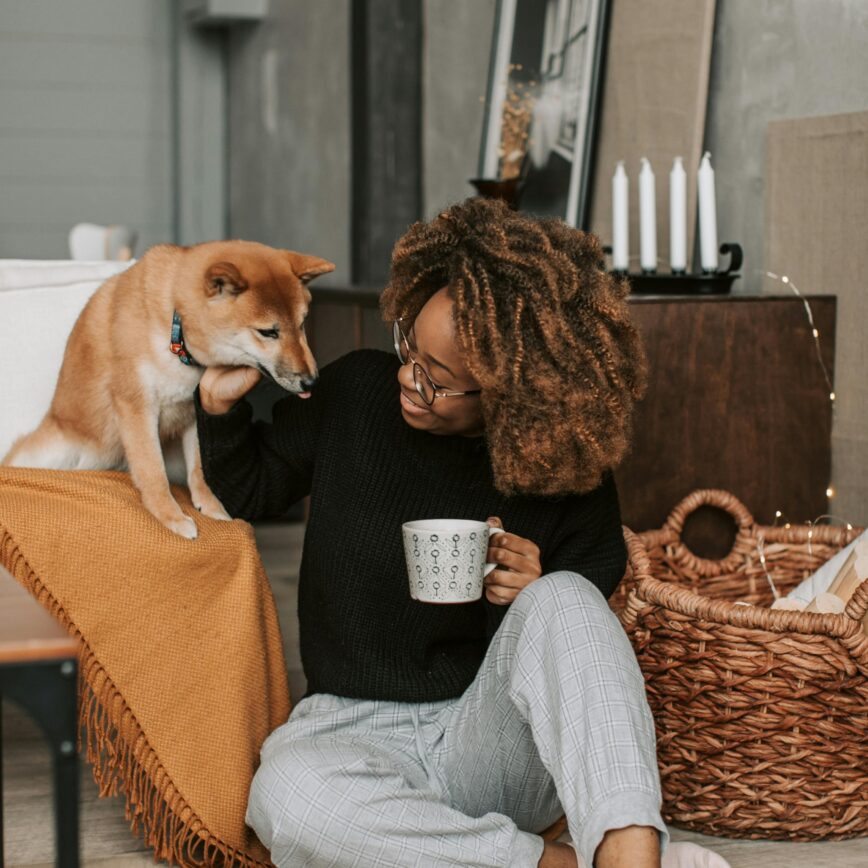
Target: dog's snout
308,382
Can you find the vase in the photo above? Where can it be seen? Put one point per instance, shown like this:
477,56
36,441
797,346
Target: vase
509,190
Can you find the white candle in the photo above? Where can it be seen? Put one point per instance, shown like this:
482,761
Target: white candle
620,224
647,218
678,217
707,215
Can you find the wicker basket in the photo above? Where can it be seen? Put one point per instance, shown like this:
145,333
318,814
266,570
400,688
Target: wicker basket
761,715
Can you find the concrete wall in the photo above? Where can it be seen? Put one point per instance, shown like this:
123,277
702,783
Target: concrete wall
289,131
87,125
200,202
770,59
289,127
290,116
775,59
455,76
85,122
111,111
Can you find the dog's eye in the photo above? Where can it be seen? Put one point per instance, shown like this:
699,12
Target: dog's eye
269,333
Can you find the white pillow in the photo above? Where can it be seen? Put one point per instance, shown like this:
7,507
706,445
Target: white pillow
819,581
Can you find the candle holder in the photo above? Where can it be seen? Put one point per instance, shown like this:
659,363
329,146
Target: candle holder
680,283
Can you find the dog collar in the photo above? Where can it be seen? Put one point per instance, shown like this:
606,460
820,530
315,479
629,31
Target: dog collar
177,343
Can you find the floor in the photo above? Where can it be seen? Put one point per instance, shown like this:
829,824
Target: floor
106,839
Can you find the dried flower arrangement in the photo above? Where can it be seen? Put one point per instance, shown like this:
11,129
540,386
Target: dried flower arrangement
515,128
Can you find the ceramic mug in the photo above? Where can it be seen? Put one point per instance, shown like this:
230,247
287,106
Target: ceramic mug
446,558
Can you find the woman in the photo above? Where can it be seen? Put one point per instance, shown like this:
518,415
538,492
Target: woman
450,735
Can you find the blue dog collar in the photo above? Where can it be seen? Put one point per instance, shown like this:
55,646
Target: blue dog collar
177,343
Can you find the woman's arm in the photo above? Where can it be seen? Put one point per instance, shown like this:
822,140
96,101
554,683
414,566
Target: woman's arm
259,469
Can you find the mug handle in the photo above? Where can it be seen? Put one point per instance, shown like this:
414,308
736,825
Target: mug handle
489,567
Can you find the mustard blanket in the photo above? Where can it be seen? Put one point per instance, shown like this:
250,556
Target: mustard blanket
182,673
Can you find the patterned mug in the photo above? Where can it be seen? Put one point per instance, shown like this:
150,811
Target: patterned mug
446,558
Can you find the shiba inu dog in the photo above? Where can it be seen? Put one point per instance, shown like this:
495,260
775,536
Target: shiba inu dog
140,346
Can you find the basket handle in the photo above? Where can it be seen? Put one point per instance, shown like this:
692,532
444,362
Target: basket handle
744,539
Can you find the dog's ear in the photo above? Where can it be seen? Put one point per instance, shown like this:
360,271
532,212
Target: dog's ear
306,268
224,277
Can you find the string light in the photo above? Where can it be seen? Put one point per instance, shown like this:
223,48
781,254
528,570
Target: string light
815,333
830,489
811,525
814,330
762,557
819,518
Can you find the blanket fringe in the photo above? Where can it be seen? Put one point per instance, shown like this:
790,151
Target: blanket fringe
120,756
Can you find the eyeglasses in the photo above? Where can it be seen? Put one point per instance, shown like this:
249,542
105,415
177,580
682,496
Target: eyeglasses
428,390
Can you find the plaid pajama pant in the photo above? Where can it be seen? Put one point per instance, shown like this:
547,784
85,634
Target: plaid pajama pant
555,722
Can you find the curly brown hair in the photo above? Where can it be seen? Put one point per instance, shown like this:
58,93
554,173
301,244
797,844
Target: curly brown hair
544,330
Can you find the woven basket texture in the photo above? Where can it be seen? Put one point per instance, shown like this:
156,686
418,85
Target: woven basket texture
761,715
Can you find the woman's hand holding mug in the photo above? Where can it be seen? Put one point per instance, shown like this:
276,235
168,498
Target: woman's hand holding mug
518,557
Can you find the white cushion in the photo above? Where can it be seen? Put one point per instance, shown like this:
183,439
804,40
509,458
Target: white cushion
39,304
26,273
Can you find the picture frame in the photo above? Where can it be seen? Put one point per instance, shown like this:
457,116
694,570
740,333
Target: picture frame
542,105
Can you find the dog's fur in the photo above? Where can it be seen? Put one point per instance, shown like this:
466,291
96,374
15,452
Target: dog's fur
121,393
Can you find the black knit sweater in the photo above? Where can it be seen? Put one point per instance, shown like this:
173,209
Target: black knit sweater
367,472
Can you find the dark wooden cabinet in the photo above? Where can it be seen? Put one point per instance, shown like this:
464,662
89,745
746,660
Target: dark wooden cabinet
736,400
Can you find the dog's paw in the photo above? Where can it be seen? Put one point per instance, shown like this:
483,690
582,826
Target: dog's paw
208,505
215,512
184,527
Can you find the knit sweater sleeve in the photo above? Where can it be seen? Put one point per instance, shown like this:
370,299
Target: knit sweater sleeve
259,469
590,542
591,539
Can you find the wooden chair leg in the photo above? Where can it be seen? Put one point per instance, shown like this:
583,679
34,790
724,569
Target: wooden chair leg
47,690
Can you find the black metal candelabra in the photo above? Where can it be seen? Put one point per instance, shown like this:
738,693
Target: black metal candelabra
680,283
